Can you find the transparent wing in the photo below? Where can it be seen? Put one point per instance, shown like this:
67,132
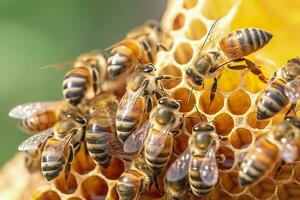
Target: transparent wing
292,90
289,151
179,169
135,141
29,109
209,171
35,141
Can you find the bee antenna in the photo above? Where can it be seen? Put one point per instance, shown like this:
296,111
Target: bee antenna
153,66
190,93
198,112
140,61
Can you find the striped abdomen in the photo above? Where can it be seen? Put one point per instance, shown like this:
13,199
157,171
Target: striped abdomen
39,122
157,157
243,42
178,190
198,187
272,101
97,142
129,120
258,162
130,184
123,58
76,83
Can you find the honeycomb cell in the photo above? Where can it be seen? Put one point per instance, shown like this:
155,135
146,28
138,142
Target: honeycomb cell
253,84
114,194
223,123
183,53
239,102
174,72
264,189
211,107
196,30
74,198
289,191
283,172
245,197
114,170
83,163
214,9
94,188
227,156
192,119
297,173
230,183
68,187
47,195
181,143
182,94
178,22
188,4
229,80
254,123
240,138
218,194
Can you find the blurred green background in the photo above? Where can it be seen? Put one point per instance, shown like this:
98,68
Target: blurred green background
38,33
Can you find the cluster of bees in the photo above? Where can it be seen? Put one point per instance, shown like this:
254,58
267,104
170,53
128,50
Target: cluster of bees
140,125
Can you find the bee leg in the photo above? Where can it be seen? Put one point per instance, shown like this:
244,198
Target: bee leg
213,90
254,69
95,80
68,164
190,93
137,196
149,104
147,49
161,46
292,108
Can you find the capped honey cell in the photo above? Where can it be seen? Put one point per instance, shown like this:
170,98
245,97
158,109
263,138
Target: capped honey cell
94,188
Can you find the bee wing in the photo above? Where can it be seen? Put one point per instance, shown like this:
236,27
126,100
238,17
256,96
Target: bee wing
209,171
292,90
29,109
135,141
180,167
35,141
289,151
105,116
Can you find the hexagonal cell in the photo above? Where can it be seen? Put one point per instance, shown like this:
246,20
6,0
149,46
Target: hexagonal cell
114,170
196,30
218,194
264,189
188,4
245,197
288,191
211,107
182,94
228,156
254,123
178,22
183,53
69,186
230,183
239,102
47,195
192,119
297,173
173,71
223,123
283,172
214,9
113,193
94,188
240,138
83,163
181,143
75,198
253,84
229,80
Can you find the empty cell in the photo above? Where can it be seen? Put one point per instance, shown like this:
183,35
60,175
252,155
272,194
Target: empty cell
174,72
114,170
253,84
178,22
214,9
113,194
240,138
223,123
196,30
289,190
283,172
182,94
83,163
245,197
69,186
181,143
264,189
230,183
218,194
188,4
227,156
254,123
94,188
47,195
183,53
229,80
211,107
239,102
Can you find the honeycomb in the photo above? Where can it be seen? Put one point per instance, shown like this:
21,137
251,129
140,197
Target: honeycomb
232,112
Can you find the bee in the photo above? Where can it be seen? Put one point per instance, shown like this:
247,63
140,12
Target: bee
58,145
136,104
284,87
277,144
197,165
84,77
38,116
232,47
143,42
100,137
157,136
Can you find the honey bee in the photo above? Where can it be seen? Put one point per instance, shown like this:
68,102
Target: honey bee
143,42
157,136
100,137
84,77
197,165
277,144
58,144
284,87
138,100
38,116
232,47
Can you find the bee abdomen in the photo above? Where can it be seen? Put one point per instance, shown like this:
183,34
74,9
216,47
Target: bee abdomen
272,101
39,122
243,42
51,170
75,84
129,185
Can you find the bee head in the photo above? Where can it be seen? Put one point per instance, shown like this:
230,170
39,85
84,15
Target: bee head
166,110
196,79
292,69
65,127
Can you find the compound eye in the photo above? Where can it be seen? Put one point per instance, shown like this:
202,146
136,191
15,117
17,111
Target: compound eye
80,120
148,69
162,101
174,105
